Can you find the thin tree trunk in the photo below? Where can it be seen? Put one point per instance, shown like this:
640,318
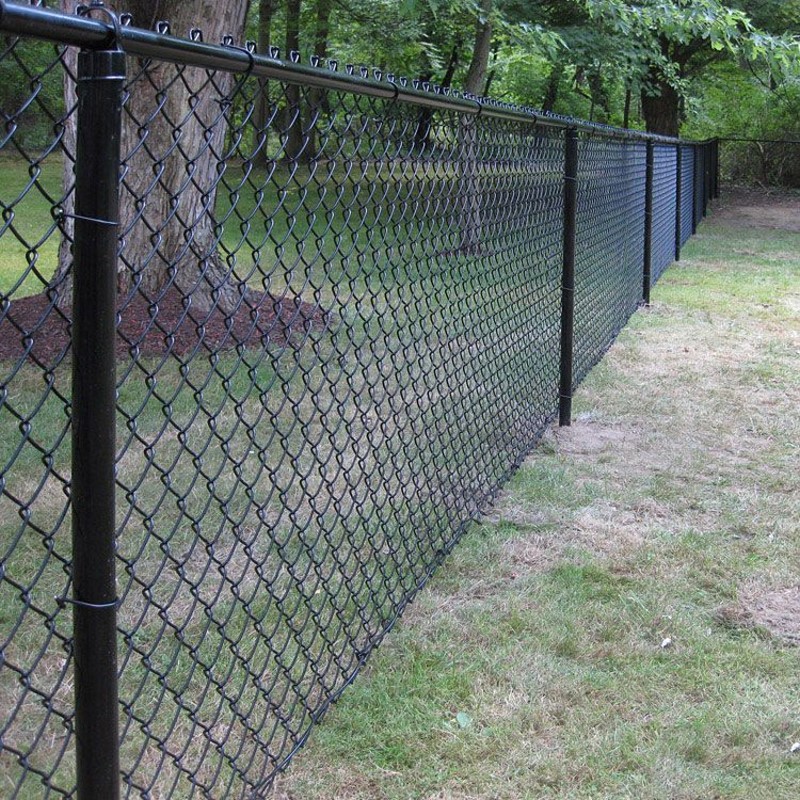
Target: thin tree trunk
295,137
263,110
423,129
551,92
316,100
626,115
471,218
476,74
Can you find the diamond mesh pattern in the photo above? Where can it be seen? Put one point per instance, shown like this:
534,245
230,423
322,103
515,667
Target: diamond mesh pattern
36,630
665,165
338,334
687,192
609,242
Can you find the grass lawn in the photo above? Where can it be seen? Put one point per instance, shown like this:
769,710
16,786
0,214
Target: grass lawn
625,623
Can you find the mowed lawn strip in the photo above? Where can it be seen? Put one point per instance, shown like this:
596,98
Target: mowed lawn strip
625,621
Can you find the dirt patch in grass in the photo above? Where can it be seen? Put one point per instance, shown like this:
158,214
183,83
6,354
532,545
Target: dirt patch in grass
533,553
776,611
751,208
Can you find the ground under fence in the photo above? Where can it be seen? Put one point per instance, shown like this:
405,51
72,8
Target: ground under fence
271,336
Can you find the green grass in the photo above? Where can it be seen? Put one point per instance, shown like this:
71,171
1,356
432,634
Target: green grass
235,472
600,631
260,493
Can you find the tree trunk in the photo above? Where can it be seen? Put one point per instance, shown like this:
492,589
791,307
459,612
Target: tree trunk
263,109
316,98
551,91
626,114
173,138
476,74
293,129
422,131
470,190
661,108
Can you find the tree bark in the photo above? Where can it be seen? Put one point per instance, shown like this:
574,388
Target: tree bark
293,128
626,114
661,107
476,74
470,190
316,98
551,90
263,109
173,139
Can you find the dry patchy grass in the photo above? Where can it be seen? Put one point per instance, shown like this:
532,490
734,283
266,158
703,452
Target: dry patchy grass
622,625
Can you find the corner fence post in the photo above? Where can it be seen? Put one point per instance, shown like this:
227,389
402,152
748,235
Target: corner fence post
568,275
678,199
648,224
716,169
99,87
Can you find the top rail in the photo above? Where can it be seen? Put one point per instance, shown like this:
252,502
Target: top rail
85,32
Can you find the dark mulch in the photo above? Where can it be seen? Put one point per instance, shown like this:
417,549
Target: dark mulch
33,327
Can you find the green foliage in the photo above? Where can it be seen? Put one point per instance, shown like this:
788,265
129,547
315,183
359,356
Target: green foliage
27,71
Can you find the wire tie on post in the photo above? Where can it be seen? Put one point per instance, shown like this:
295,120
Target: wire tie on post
64,601
61,214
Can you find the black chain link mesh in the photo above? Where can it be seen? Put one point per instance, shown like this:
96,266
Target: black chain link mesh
609,242
687,192
699,184
665,167
35,631
338,334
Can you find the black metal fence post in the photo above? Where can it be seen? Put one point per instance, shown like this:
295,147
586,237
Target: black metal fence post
648,224
568,275
100,78
678,199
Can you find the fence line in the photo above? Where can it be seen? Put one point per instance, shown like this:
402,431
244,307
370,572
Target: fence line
273,336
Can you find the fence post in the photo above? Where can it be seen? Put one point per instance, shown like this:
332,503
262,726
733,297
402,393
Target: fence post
678,199
99,88
648,224
568,274
716,169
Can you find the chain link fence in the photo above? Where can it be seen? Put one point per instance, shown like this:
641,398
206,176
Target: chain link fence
687,194
334,325
665,210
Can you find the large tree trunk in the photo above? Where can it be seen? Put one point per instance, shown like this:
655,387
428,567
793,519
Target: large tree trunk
661,107
173,138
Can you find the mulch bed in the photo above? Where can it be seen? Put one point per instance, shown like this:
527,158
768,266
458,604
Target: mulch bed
33,327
